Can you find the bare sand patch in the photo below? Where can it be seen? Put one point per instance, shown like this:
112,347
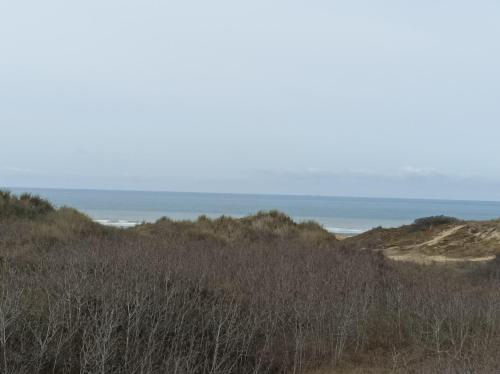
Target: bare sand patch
429,259
445,234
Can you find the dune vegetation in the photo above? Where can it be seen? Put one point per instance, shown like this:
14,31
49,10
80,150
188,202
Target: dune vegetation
431,239
261,294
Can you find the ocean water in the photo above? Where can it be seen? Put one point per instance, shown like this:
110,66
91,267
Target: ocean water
342,215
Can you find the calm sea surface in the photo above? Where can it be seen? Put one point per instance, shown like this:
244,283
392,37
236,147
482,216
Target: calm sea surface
344,215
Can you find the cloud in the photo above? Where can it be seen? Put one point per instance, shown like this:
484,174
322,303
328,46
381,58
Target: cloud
418,171
17,170
404,182
313,172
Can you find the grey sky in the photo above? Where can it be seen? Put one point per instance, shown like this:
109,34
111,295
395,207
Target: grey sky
387,98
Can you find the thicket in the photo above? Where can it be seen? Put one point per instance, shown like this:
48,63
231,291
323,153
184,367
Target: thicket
427,223
23,206
256,295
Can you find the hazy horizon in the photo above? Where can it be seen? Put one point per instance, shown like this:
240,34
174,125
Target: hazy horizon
330,98
31,189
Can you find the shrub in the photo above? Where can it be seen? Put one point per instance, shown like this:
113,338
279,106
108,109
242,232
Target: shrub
23,206
430,222
258,295
262,227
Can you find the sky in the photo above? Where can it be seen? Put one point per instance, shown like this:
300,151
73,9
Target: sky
353,98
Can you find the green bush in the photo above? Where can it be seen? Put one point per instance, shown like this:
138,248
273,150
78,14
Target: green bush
23,206
429,222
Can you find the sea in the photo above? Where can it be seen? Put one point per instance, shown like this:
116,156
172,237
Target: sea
341,215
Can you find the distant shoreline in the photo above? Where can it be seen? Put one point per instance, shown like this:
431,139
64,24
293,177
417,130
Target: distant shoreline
339,232
345,216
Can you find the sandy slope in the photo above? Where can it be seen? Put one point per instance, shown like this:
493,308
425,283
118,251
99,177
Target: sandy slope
465,241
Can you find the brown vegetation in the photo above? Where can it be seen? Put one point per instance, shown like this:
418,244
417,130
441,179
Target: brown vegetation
255,295
434,239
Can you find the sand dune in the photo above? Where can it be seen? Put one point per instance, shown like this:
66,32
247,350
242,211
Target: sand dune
456,242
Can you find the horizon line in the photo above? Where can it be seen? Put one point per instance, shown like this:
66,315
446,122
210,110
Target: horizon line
243,193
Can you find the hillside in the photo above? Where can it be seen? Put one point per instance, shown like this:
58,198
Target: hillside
257,295
445,241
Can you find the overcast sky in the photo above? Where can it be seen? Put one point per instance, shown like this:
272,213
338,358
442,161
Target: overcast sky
362,98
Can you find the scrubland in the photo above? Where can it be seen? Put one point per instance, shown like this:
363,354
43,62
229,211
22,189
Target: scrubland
260,294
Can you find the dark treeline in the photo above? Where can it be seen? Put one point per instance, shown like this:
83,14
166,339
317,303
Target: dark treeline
255,295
